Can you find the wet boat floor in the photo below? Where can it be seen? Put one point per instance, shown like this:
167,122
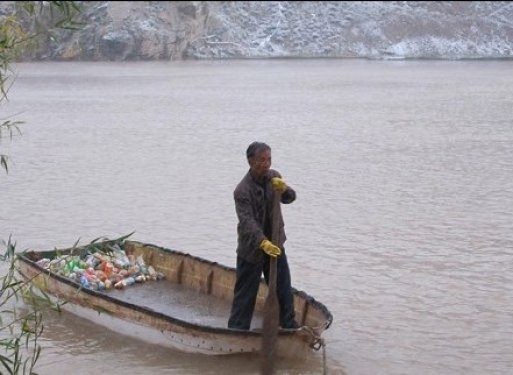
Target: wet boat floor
179,302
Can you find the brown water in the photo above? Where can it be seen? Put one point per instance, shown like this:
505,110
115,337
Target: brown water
403,224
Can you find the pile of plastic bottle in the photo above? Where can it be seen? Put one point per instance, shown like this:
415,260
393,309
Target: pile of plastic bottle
102,270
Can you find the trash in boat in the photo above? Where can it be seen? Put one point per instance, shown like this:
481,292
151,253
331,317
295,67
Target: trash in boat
102,268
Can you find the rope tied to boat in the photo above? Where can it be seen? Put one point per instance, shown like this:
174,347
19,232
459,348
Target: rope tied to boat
314,339
316,342
324,366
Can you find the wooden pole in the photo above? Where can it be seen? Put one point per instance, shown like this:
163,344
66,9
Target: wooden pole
271,307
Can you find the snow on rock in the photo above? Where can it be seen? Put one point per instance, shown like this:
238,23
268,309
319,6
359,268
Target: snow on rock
260,29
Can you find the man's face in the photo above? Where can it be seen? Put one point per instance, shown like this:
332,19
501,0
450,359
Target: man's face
260,163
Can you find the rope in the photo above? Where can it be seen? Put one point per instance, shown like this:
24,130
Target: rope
324,366
314,339
317,343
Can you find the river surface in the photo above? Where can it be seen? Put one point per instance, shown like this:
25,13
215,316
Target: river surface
403,224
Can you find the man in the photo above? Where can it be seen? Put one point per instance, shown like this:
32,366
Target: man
253,203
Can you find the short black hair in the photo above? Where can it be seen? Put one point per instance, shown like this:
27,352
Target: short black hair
255,148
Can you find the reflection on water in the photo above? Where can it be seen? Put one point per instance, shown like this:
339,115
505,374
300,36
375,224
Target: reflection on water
402,225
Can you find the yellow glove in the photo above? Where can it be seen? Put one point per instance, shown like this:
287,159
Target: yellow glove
270,249
278,184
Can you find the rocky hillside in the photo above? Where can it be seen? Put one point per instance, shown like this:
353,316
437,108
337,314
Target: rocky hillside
198,30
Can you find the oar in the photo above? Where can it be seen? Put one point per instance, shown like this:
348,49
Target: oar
271,307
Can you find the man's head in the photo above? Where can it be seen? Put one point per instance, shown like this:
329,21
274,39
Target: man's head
259,158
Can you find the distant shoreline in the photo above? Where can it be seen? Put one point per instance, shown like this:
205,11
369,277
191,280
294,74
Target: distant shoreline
506,58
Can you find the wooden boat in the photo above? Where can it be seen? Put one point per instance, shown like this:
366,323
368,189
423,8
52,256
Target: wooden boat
193,274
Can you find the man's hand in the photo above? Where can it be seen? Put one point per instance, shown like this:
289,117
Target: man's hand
278,184
270,249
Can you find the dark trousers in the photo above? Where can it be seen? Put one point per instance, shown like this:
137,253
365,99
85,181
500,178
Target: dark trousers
246,289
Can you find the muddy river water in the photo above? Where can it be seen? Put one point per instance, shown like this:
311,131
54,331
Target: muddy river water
403,224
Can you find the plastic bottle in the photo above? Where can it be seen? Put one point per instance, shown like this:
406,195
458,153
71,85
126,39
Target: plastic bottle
129,281
84,282
140,279
108,268
140,261
119,285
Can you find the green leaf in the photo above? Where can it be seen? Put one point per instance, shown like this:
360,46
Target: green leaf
6,362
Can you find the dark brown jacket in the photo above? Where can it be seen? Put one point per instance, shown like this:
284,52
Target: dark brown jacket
253,204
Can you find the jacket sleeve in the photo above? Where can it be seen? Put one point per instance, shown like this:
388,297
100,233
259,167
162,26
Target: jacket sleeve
288,196
249,230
